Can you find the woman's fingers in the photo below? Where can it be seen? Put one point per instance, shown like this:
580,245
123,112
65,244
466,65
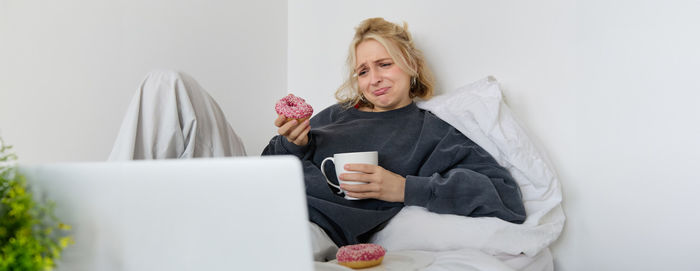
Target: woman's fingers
295,132
376,182
357,177
367,183
366,195
365,168
279,121
299,129
286,129
303,138
298,135
359,188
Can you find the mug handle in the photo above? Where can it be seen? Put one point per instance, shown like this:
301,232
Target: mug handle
323,171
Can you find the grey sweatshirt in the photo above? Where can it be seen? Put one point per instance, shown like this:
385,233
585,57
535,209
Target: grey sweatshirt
445,171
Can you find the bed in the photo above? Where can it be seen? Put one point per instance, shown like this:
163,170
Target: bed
416,239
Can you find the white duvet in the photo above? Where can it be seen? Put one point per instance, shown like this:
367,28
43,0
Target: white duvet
462,259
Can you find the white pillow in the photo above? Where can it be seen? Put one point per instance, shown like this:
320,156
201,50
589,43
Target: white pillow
478,111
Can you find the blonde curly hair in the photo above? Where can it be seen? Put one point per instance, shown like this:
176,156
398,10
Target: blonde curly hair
399,44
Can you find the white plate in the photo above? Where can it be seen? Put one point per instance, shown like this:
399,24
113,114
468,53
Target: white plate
401,260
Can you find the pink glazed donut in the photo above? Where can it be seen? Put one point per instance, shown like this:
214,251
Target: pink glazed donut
293,107
360,255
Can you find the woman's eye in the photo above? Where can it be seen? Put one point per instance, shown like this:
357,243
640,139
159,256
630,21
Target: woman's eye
384,65
361,73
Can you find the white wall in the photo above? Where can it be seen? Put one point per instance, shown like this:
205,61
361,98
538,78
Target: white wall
633,193
69,68
608,88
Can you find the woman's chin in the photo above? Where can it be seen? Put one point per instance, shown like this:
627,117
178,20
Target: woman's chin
389,105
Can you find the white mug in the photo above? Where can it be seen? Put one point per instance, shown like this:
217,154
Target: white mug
340,159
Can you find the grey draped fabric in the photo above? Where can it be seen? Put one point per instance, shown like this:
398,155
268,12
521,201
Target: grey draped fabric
172,116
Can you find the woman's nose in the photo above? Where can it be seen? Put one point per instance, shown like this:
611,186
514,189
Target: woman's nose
375,76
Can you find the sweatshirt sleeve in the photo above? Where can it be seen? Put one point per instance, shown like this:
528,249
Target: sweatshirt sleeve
279,145
461,178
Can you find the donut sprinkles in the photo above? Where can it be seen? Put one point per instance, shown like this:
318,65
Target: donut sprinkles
293,107
360,255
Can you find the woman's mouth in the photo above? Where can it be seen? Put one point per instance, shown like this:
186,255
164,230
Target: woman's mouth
380,91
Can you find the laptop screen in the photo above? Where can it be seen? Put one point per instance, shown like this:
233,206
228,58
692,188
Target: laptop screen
244,213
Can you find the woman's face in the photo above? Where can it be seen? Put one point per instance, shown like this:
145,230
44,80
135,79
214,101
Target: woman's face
383,83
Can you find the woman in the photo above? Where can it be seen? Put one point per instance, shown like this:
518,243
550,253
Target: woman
423,161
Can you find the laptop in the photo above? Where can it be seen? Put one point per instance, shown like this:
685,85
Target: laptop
244,213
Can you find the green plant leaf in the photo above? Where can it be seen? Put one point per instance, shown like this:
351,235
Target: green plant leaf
31,236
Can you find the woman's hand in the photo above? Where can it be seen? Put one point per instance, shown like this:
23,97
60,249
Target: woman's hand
381,183
297,133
